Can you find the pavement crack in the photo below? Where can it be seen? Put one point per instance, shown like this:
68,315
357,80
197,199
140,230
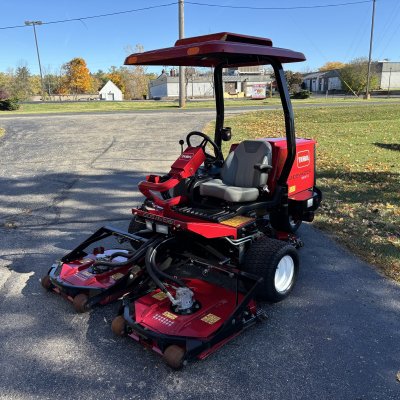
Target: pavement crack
113,141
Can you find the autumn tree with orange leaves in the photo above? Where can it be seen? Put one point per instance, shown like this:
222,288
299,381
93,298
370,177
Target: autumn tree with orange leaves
77,76
328,66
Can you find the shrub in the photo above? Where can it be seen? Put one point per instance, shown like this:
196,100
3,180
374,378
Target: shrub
4,94
302,94
9,104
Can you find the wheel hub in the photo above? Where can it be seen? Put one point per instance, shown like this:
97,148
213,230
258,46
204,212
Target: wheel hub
284,274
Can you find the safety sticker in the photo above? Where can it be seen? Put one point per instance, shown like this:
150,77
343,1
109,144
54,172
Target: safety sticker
211,319
169,315
237,221
163,320
159,296
84,275
117,276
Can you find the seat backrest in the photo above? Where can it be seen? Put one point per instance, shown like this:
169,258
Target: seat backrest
238,169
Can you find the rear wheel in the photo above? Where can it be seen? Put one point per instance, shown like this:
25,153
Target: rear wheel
275,261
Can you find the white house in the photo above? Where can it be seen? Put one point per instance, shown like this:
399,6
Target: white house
111,92
322,81
389,74
167,86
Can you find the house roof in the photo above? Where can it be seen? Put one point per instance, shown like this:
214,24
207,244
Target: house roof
314,75
225,48
110,86
322,74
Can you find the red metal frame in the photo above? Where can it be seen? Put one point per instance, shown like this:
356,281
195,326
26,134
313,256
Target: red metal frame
184,167
302,173
209,230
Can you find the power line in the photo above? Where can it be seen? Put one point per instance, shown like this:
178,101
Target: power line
94,16
280,8
196,4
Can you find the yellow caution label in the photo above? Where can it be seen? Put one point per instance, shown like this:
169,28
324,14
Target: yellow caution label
292,189
169,315
210,319
117,276
237,221
159,296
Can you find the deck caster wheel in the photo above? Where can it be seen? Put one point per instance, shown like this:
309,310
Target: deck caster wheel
80,303
118,326
46,282
174,356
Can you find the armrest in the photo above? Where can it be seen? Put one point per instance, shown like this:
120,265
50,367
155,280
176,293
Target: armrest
262,167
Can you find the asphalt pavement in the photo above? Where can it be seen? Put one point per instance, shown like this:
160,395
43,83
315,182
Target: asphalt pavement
61,177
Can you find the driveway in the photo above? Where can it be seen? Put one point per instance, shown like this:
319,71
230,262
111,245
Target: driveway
336,337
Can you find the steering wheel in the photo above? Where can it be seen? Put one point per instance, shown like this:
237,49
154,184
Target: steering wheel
206,139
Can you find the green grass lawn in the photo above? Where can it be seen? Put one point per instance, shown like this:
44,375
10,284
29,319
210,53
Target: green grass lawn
104,106
358,164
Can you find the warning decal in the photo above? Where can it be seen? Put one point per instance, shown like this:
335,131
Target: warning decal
210,319
159,296
169,315
237,221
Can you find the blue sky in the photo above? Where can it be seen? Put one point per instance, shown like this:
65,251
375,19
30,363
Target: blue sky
322,34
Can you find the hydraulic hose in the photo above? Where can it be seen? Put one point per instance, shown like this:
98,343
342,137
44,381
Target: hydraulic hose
139,253
154,272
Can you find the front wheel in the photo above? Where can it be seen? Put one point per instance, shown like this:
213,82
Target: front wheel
284,223
277,263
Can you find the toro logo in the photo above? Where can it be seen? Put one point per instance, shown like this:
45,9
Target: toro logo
303,159
188,156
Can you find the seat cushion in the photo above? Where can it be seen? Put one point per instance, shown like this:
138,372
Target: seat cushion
234,194
238,169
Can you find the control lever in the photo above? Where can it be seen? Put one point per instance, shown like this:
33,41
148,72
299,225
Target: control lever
181,142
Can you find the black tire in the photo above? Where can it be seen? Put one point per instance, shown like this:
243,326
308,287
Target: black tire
288,224
262,260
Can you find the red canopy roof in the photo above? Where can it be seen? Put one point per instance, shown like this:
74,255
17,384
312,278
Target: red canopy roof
231,49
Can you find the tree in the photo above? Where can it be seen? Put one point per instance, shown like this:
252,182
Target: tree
77,76
20,87
328,66
190,76
137,79
354,76
100,79
293,79
35,85
117,77
5,85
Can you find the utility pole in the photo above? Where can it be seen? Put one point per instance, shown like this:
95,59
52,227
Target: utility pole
390,76
182,89
367,95
34,23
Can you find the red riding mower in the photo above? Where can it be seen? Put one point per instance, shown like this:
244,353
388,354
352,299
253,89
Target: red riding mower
213,235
